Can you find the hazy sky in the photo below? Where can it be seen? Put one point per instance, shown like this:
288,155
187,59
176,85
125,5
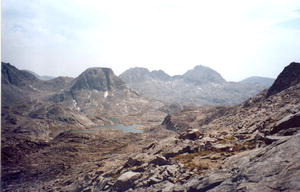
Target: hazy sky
236,38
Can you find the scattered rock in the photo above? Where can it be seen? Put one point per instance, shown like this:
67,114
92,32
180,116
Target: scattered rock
207,183
290,121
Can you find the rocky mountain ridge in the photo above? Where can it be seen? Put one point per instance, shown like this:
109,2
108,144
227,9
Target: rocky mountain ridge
199,86
11,75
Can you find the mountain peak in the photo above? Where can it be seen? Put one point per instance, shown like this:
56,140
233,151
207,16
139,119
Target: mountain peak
201,67
202,74
102,79
140,74
288,77
160,74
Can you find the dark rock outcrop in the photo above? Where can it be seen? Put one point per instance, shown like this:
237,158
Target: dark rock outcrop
288,77
159,160
191,134
11,75
289,122
102,79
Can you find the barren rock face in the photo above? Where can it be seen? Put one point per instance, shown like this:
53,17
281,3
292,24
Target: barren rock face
288,77
101,79
12,75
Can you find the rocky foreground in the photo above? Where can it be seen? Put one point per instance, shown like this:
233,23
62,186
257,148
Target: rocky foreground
250,147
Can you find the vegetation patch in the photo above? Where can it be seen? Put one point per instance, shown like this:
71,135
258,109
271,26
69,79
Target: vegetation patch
227,140
244,146
193,163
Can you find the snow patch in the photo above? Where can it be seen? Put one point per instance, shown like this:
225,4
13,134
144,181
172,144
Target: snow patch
75,105
33,88
105,94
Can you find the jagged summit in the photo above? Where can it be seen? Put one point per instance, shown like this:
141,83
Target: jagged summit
11,75
288,77
202,74
198,86
160,74
140,74
102,79
136,74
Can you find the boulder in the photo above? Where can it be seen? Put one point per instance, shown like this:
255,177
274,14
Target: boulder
132,162
126,180
159,160
191,134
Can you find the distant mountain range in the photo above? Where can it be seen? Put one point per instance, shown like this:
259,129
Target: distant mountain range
200,85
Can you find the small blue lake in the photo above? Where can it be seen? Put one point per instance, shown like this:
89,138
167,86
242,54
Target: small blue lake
119,126
125,128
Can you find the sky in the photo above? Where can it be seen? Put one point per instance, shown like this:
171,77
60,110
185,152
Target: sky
236,38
